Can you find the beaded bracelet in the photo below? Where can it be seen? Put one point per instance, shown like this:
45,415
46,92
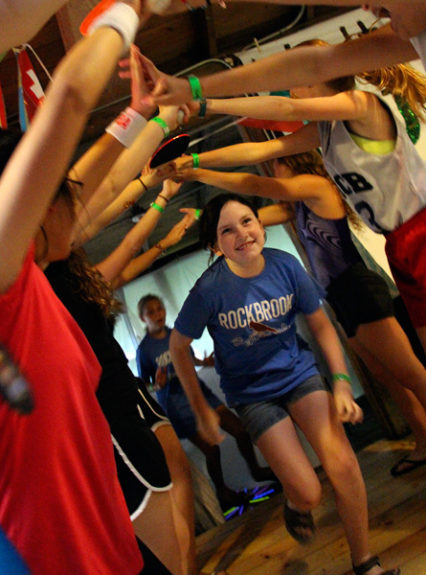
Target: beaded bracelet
341,376
157,207
196,90
163,125
195,160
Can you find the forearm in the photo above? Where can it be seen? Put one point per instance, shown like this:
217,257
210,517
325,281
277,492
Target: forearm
275,214
248,153
238,182
128,165
47,147
115,263
309,65
259,107
137,266
328,341
184,367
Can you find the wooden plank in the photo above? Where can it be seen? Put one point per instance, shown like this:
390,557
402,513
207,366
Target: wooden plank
257,542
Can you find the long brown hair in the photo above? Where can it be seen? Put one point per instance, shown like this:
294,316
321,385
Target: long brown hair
401,81
91,285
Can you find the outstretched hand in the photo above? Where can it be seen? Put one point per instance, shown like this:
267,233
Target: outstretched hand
165,90
131,68
177,232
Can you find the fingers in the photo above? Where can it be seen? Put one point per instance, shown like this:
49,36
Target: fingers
349,412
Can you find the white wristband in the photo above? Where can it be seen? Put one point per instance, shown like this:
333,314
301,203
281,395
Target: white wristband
122,18
126,127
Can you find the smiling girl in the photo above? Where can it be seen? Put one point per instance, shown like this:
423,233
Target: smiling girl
268,373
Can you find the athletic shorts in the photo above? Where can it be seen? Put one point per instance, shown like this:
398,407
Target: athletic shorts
180,413
359,296
260,416
140,460
406,252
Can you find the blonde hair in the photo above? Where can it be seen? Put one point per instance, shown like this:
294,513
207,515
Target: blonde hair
401,81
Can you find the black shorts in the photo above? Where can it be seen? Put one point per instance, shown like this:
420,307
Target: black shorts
140,460
359,296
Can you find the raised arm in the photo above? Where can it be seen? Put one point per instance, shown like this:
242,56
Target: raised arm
276,214
131,193
300,187
344,106
301,67
112,266
250,153
206,417
37,167
128,165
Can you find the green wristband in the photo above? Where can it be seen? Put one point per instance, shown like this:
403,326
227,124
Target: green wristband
157,207
163,125
203,108
343,376
196,90
195,160
198,213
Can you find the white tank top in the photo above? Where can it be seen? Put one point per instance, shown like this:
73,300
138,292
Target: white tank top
385,190
419,44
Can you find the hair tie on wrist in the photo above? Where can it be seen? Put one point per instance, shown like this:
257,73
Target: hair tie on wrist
341,376
162,124
163,197
198,213
203,108
143,184
195,160
157,207
196,90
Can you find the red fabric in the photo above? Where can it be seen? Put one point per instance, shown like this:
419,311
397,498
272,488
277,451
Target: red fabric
272,125
406,251
32,91
60,501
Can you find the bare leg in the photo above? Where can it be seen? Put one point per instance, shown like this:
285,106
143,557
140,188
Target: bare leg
227,498
317,417
280,446
231,423
386,351
155,526
182,495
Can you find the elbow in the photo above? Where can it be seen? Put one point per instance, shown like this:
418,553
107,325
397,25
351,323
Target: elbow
73,96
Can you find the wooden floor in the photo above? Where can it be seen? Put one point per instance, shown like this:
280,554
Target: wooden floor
257,543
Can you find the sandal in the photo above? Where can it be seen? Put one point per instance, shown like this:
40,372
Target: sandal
369,564
405,465
296,520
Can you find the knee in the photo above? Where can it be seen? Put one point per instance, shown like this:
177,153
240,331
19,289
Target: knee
343,467
307,498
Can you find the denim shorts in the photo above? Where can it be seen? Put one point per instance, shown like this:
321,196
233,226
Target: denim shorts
259,417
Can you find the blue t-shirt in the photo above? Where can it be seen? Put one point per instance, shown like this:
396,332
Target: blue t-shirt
258,353
151,354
